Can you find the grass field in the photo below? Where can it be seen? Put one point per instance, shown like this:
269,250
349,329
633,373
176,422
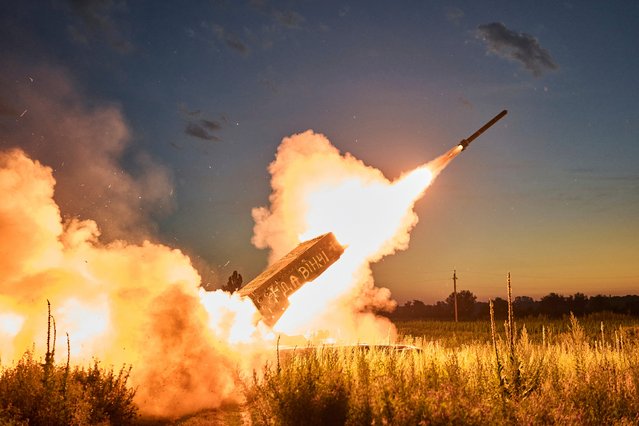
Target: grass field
561,372
451,334
568,371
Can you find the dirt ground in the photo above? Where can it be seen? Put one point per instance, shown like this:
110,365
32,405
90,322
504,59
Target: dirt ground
234,415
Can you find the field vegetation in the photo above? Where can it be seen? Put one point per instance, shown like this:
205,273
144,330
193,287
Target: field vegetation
538,329
40,392
537,372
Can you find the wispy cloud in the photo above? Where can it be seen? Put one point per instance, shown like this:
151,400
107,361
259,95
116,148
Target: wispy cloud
518,47
273,24
281,21
201,128
96,20
231,40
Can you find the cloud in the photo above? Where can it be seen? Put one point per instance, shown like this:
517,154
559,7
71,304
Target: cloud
201,129
519,47
85,144
231,40
96,21
273,25
210,125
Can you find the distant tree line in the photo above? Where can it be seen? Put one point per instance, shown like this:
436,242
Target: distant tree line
552,305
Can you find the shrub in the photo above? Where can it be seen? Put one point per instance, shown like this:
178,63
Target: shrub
42,393
34,393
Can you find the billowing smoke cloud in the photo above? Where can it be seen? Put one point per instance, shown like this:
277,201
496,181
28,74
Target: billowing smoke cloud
122,303
519,47
85,144
317,190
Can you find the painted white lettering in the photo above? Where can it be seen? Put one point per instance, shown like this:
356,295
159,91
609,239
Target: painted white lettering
313,265
287,288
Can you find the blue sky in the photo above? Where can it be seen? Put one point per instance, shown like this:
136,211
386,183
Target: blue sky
207,90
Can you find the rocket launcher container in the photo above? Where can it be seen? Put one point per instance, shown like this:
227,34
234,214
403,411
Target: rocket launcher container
269,291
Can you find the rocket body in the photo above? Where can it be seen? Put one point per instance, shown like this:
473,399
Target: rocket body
465,142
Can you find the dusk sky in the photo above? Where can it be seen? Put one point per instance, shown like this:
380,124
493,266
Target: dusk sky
160,119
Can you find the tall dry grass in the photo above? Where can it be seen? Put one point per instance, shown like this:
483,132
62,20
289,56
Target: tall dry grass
568,377
572,380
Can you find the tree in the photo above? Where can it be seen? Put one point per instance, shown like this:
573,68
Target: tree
577,303
500,307
465,303
553,305
234,283
524,306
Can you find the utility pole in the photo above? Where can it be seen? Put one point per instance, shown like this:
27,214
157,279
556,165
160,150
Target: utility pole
455,291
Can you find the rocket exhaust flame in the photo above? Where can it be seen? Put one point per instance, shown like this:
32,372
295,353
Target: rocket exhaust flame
141,304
